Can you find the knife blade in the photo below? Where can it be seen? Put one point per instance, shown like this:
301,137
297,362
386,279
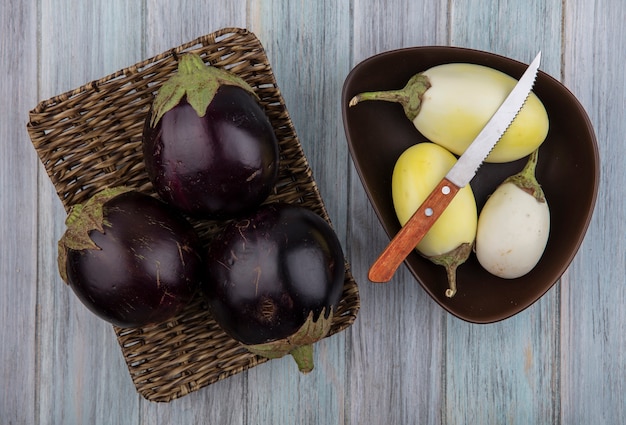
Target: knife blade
385,266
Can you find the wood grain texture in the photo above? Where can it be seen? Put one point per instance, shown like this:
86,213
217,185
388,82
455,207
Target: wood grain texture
18,215
506,372
311,78
83,377
398,342
169,25
593,325
404,361
380,25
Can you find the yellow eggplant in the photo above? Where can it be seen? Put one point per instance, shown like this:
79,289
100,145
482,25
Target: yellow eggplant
449,242
449,104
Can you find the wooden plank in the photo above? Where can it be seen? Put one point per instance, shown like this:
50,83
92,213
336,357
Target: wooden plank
380,25
310,77
223,402
166,27
506,372
593,355
18,215
510,28
397,346
83,378
311,80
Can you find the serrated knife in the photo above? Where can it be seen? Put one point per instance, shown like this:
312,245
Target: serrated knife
459,175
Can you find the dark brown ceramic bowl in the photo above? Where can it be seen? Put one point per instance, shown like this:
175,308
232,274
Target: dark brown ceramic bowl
378,132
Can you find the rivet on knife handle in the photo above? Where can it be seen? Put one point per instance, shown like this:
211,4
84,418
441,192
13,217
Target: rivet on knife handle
412,232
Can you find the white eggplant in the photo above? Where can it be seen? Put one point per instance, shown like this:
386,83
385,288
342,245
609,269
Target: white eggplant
449,104
514,225
450,240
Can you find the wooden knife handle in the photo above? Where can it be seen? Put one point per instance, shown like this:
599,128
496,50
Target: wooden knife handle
412,232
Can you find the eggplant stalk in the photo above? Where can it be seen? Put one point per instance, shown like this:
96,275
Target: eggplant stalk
410,96
298,345
198,83
450,104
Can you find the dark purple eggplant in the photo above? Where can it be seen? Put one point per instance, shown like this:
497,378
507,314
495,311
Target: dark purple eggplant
275,280
209,148
130,258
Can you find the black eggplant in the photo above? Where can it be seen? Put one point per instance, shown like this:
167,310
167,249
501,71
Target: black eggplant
130,258
209,148
274,281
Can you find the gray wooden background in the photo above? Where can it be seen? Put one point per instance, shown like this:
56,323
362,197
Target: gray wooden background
405,361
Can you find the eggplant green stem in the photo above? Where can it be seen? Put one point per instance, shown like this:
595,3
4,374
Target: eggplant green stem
527,180
300,344
410,96
81,220
303,355
451,261
198,83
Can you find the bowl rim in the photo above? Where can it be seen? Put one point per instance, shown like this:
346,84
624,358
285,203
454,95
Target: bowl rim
595,163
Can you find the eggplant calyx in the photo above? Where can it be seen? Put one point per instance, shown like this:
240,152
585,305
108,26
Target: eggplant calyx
451,261
81,220
410,96
526,179
300,344
198,83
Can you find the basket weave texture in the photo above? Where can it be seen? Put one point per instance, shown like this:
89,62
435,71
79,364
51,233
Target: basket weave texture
90,138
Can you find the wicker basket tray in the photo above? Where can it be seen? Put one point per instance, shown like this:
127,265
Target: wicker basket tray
90,138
